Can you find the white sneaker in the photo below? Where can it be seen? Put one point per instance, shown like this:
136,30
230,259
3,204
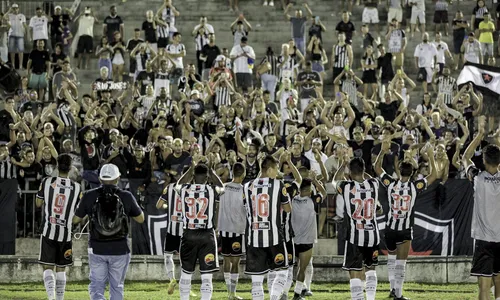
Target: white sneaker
271,3
265,3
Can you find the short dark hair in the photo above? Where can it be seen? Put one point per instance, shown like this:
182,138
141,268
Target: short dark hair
357,166
239,23
64,163
406,169
238,169
244,39
137,29
176,34
268,162
306,183
266,92
491,155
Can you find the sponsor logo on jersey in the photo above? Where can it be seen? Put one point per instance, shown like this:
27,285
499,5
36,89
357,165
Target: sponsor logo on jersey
68,254
209,259
236,246
279,259
290,257
420,185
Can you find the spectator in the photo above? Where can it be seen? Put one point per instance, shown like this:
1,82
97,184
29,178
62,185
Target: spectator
268,72
162,32
478,14
396,38
118,61
472,50
441,16
309,80
299,26
486,29
4,29
39,69
200,39
38,27
342,56
112,23
395,11
370,14
149,28
203,24
442,52
18,31
240,28
86,36
209,54
317,28
65,74
243,56
168,13
104,52
318,55
425,57
460,27
347,27
369,78
417,13
177,52
131,45
56,25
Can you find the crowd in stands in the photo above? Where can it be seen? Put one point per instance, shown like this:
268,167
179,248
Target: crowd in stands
154,107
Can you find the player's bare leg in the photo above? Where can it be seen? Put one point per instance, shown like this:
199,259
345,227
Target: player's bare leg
484,287
303,263
356,285
401,257
496,286
168,260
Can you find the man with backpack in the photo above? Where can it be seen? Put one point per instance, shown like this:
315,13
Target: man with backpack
108,208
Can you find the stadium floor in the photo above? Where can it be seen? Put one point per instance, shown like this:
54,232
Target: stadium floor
157,291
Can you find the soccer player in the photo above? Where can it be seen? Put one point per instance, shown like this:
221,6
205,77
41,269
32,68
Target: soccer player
264,198
171,201
402,193
59,196
198,242
231,225
485,225
360,202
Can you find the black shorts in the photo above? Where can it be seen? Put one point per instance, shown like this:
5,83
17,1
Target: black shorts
59,254
199,245
172,243
301,248
486,260
85,44
355,257
369,77
440,17
232,246
393,238
244,80
290,251
336,73
262,260
162,42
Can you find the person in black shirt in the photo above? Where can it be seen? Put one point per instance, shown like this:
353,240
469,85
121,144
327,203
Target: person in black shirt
384,62
146,77
190,78
7,116
149,28
460,26
139,171
56,25
112,24
316,28
57,58
39,69
177,160
131,44
208,54
362,148
346,26
90,142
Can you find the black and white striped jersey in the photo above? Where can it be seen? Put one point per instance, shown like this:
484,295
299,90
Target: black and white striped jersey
360,202
341,57
198,205
447,85
174,210
401,197
7,169
60,197
263,198
222,96
292,189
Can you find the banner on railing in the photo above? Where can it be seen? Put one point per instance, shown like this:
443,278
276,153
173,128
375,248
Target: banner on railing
8,199
442,227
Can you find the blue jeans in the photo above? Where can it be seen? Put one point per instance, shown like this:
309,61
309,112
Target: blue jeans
300,43
269,84
104,269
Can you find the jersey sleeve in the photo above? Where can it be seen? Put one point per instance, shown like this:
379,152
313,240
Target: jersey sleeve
472,171
386,179
340,186
421,185
283,194
41,190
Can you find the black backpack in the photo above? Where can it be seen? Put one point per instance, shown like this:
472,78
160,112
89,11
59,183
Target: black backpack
108,220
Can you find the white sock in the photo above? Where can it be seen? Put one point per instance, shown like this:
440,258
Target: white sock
270,279
234,282
371,284
278,284
399,277
206,288
357,289
391,267
309,275
168,261
60,285
227,280
289,281
298,287
49,280
257,287
185,285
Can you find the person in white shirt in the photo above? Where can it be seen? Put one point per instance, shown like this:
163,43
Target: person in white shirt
243,57
425,57
17,32
417,12
471,48
443,51
176,51
203,23
4,29
39,26
86,36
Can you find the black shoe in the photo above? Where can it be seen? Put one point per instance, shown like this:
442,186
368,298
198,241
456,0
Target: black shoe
297,297
392,294
401,298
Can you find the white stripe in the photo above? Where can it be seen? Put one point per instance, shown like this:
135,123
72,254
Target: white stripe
474,74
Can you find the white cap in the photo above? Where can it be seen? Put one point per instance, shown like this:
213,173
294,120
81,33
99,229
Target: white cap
57,7
87,10
317,140
15,5
109,172
195,92
220,58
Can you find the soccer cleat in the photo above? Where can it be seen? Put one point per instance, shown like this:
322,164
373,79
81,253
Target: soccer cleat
271,3
284,297
297,297
236,297
401,298
392,294
265,3
171,286
307,293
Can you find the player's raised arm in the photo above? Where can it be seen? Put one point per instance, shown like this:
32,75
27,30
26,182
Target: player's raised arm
474,144
432,164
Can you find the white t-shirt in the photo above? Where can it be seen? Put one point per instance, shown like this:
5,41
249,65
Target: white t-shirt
240,64
425,53
40,28
420,5
86,26
176,49
314,163
441,58
472,51
17,25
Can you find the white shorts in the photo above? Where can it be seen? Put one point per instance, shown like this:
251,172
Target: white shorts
430,74
417,14
370,15
487,48
395,13
3,54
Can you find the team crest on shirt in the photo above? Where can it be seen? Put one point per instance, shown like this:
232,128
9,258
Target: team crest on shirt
68,254
386,182
209,259
420,185
279,259
236,246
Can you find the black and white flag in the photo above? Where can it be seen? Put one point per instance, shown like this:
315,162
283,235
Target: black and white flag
484,78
